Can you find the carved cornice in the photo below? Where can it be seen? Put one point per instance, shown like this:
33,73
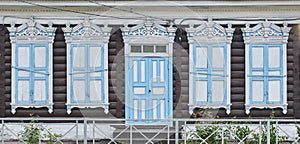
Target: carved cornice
210,32
266,32
32,32
148,28
86,31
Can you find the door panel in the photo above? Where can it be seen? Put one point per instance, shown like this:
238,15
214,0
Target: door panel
148,89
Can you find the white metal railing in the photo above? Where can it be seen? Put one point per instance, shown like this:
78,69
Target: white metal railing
183,131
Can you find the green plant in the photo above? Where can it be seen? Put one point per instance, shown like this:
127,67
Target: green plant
273,133
32,133
52,137
204,131
242,133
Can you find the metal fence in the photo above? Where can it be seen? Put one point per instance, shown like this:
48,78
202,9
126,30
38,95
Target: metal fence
183,131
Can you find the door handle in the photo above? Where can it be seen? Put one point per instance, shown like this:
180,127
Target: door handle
150,91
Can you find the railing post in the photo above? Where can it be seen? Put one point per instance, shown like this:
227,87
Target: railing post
168,134
176,132
40,138
185,133
77,132
85,131
260,130
2,132
130,134
93,131
268,132
276,132
222,135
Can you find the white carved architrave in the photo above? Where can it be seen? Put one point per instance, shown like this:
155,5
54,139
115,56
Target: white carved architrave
148,33
32,33
209,34
87,33
266,33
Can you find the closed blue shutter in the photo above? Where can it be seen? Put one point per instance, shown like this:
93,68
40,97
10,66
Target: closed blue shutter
210,72
87,73
31,73
266,74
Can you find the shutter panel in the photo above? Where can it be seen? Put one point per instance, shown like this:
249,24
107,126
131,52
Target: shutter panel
217,57
218,92
96,73
257,74
39,90
257,57
78,69
23,91
274,81
40,72
257,91
201,91
201,57
274,91
201,83
79,90
22,70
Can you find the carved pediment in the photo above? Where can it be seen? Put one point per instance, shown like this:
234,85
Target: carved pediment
266,31
31,31
86,31
210,31
148,28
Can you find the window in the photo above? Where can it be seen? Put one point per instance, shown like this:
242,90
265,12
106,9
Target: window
87,61
210,66
31,66
266,78
148,48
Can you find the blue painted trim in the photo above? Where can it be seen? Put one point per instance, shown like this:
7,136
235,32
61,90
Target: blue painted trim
32,70
86,70
210,77
265,77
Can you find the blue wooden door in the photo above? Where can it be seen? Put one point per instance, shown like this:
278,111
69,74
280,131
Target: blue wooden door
148,96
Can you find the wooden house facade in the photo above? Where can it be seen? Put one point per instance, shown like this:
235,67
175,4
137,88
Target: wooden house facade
149,60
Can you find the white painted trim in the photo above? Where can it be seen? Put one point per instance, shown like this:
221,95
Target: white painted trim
92,34
191,76
44,36
265,33
210,33
155,3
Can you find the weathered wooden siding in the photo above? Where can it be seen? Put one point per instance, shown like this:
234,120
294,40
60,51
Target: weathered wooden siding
296,68
180,75
116,74
2,70
180,78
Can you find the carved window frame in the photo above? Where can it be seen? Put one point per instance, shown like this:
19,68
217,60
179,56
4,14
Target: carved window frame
88,34
31,35
210,34
266,34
